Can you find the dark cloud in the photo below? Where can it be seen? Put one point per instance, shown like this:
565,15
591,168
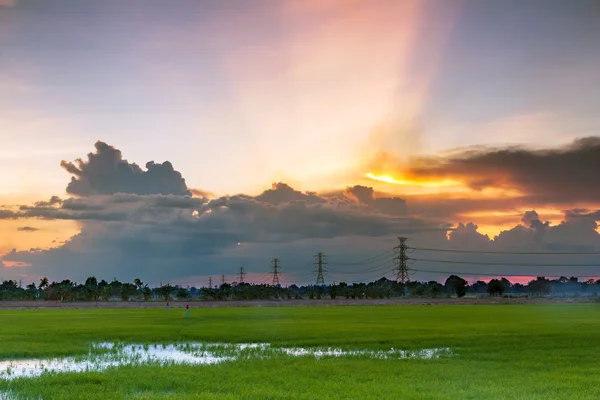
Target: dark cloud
282,193
106,172
144,234
9,214
117,207
175,242
27,229
386,205
176,236
531,236
579,214
555,175
54,200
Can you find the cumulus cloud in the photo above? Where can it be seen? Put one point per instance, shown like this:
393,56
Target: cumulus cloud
139,231
282,193
156,234
387,205
106,172
129,227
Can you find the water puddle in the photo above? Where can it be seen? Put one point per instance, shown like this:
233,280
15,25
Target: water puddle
110,355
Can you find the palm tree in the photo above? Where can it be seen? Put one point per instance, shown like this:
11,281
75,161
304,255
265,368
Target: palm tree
146,292
43,283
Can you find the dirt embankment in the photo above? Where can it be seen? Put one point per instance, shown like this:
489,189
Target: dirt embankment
38,304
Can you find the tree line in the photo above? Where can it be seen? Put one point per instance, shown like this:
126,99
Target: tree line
92,290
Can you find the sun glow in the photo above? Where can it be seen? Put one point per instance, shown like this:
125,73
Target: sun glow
410,182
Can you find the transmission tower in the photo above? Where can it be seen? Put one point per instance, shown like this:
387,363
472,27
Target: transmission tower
275,271
320,261
242,273
222,279
210,282
401,258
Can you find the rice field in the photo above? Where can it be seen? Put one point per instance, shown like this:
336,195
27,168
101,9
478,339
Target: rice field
540,351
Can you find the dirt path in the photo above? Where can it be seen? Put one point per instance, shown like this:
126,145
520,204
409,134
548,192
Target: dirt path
285,303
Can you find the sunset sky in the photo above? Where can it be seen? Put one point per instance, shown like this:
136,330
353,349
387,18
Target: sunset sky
444,121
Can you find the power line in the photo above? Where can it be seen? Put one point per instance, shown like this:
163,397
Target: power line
301,267
472,273
365,281
376,268
504,264
366,261
506,252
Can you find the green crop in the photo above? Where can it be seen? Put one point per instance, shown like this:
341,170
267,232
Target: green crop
500,352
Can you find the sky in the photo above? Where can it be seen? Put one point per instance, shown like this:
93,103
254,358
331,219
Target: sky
213,135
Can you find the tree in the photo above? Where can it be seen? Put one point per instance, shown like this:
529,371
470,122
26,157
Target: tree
333,291
495,287
65,290
183,293
31,291
127,290
456,284
91,281
166,291
43,283
479,287
435,288
105,293
540,285
507,284
146,293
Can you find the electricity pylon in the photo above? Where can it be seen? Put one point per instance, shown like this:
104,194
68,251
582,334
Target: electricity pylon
319,263
402,268
275,272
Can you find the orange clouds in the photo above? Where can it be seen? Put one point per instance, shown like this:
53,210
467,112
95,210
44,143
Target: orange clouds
48,234
493,187
422,182
558,175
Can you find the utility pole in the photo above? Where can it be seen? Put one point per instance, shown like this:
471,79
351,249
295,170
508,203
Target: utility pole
210,282
275,271
401,258
320,261
242,273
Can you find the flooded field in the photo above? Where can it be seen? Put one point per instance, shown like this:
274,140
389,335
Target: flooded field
103,356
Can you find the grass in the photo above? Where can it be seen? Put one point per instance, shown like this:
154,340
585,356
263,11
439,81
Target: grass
502,352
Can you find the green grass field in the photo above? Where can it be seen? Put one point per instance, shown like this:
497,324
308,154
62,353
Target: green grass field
500,352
